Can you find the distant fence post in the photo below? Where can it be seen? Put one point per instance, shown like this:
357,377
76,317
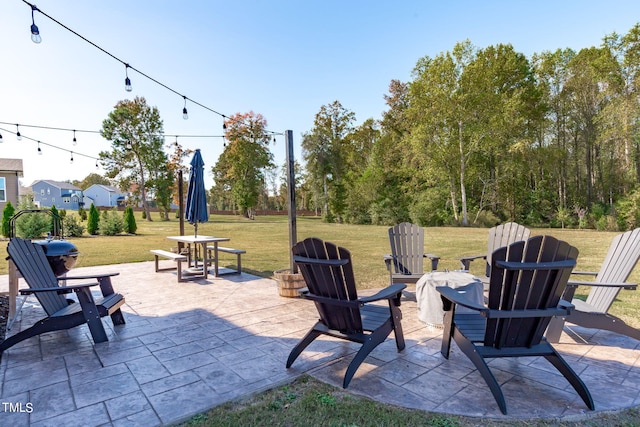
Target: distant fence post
291,198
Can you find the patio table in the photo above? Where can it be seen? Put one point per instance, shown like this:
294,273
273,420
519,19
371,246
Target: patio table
204,241
430,309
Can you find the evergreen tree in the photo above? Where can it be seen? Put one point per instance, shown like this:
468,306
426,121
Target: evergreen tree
7,213
55,216
94,220
130,225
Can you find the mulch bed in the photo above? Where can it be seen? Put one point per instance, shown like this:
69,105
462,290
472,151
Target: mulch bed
4,315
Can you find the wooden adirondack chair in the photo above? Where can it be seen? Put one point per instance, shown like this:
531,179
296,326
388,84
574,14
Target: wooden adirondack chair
406,261
526,283
499,236
62,313
620,261
328,273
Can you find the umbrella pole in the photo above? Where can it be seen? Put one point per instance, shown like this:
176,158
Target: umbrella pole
196,229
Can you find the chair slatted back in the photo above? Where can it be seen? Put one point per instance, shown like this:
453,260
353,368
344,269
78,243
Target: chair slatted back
331,281
407,248
503,235
526,289
617,266
34,267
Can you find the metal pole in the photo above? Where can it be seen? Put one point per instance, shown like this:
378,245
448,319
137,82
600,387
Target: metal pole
291,198
181,202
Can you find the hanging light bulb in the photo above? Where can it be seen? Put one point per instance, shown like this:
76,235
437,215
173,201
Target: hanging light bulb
127,82
35,33
1,138
71,160
75,141
185,115
128,145
18,136
176,140
96,163
39,149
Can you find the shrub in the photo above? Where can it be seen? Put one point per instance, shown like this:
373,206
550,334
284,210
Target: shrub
94,220
82,214
73,228
7,213
55,217
130,225
111,223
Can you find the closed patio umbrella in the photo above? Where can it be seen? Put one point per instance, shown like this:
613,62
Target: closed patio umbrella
196,210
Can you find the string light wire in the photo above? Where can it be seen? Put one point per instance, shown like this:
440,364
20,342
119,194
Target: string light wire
128,66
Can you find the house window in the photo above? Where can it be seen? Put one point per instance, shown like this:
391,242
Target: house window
3,190
48,191
66,200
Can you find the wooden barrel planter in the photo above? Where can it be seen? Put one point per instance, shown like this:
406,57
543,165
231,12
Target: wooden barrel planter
289,283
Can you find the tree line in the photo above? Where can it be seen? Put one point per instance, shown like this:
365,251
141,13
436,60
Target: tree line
484,135
477,136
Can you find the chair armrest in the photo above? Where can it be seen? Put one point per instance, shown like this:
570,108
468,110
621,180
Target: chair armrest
630,286
472,257
585,273
430,256
458,298
333,301
58,289
90,276
510,265
389,292
465,262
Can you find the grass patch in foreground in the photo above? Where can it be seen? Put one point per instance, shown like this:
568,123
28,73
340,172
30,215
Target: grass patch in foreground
309,402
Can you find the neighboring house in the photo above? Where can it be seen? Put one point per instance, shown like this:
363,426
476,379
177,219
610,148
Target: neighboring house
62,194
10,171
104,195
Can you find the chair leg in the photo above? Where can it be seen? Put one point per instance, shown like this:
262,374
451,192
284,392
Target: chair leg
573,378
470,351
447,333
304,342
91,315
603,321
554,330
47,324
396,317
375,338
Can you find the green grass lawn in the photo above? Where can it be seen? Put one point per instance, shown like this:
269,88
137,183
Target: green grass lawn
266,240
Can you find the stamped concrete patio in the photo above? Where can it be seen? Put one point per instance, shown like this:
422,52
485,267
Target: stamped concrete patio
191,346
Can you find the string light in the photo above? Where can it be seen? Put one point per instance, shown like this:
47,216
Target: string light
97,164
127,81
39,149
40,143
18,136
71,161
35,33
1,138
75,141
185,115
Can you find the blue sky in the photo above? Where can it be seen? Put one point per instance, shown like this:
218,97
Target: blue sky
283,59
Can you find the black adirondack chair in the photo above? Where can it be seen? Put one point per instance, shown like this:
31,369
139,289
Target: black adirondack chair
328,273
526,284
620,261
406,261
62,313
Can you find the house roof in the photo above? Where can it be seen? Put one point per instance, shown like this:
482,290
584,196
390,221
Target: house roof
58,184
11,165
108,188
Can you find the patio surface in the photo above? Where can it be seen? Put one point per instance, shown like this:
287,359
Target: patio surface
191,346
